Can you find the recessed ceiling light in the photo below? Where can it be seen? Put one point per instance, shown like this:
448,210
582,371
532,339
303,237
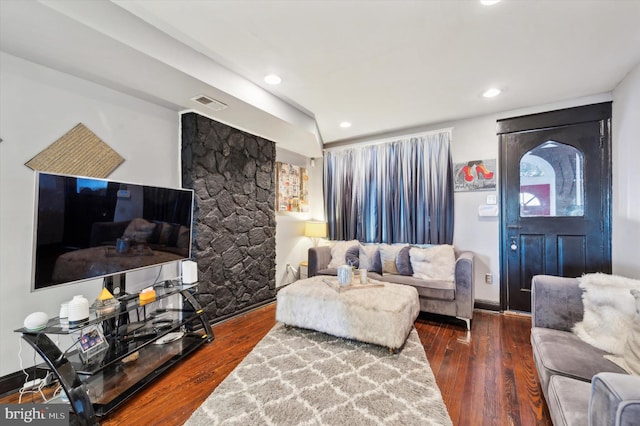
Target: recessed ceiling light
489,2
345,124
491,93
272,79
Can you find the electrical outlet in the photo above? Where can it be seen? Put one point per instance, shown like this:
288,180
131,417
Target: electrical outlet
488,278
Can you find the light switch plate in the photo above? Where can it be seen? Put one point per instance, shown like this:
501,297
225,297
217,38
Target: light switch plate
492,199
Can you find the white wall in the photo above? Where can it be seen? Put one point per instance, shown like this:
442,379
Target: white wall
626,156
291,244
476,139
38,105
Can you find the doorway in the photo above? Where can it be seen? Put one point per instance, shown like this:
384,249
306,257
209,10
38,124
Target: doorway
555,198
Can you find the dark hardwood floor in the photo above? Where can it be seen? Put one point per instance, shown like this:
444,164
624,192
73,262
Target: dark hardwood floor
486,376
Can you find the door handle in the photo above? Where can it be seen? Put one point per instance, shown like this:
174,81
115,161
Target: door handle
514,245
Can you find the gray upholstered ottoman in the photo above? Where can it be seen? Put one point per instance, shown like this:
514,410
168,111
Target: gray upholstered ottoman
381,315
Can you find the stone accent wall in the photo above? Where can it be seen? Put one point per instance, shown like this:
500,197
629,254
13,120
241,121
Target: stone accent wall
233,175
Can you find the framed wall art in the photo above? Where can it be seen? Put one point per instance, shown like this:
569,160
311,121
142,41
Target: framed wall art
292,192
475,175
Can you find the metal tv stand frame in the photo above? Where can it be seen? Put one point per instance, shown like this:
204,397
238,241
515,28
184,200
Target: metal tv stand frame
97,385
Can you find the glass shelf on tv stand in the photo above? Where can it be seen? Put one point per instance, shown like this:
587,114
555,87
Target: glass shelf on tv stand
98,385
121,349
127,303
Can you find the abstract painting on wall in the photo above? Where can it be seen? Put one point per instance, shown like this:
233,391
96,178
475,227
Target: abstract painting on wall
475,175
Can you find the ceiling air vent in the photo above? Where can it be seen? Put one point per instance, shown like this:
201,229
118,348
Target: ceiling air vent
210,102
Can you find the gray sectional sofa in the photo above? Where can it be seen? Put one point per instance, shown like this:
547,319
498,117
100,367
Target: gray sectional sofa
581,387
455,299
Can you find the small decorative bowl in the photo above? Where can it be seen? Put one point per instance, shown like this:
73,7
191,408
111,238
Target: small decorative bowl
105,307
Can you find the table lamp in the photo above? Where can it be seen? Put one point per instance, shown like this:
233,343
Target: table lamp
315,230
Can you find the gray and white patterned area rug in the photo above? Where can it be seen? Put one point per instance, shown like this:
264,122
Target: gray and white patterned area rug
303,377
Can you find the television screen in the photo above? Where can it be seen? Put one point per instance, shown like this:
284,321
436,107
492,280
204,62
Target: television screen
88,228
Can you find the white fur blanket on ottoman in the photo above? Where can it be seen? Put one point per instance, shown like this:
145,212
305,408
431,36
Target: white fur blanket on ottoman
381,315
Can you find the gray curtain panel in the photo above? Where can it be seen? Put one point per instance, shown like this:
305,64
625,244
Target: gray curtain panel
396,192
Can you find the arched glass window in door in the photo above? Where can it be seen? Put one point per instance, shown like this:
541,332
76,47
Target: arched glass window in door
552,181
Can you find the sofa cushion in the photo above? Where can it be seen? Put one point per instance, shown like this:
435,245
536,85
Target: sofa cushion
432,289
609,309
339,253
563,353
388,257
433,263
328,271
352,256
370,258
403,262
568,401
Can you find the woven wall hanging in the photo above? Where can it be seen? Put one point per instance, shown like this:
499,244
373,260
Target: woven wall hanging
78,152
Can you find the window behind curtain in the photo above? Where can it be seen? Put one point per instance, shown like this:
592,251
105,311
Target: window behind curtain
396,192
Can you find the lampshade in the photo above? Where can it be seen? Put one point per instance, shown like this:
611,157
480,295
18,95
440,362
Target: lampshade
315,229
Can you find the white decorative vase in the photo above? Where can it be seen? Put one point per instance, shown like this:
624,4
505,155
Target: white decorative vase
345,275
363,276
64,311
78,310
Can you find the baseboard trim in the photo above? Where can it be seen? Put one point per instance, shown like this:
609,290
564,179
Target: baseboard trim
242,311
12,382
487,305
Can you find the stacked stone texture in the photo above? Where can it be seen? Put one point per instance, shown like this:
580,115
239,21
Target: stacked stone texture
233,176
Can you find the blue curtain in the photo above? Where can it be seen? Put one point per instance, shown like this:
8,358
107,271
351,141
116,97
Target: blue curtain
397,192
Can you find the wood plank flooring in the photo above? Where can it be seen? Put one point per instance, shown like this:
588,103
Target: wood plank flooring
486,376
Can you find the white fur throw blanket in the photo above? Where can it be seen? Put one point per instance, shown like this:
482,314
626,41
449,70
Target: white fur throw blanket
609,310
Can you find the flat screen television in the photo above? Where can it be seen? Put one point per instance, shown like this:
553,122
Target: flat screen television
88,228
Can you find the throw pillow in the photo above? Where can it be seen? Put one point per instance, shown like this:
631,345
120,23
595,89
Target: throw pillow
630,359
388,256
370,258
139,230
339,253
609,309
352,257
437,262
403,262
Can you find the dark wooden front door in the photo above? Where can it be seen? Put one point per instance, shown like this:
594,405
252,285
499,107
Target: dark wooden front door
555,196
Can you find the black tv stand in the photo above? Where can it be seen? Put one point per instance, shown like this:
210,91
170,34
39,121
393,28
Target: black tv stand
97,385
127,297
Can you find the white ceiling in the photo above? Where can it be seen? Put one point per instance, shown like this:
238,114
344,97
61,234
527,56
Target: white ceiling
382,65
